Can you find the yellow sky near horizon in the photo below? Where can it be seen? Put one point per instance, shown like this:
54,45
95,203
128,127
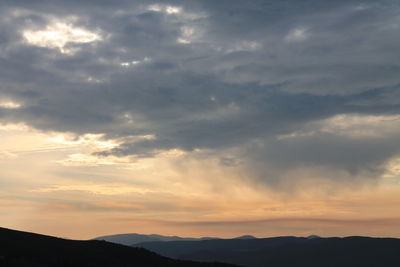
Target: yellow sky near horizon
51,183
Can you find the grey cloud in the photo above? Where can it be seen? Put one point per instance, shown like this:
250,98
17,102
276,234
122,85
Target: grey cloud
285,163
249,72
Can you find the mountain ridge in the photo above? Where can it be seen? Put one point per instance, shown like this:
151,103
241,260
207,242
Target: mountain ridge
135,238
18,248
286,251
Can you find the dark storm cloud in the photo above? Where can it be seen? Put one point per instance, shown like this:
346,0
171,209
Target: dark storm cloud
215,75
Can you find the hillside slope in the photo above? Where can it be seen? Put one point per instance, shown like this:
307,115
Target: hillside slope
27,249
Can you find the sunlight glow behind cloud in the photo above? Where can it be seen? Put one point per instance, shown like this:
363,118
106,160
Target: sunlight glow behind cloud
59,35
135,62
297,34
9,105
165,8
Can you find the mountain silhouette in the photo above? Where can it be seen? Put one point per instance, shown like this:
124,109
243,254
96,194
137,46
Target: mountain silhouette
245,237
23,249
287,251
132,239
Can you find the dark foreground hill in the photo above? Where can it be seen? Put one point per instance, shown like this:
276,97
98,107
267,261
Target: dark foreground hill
22,249
287,251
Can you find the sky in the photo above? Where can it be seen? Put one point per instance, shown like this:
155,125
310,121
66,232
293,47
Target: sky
200,118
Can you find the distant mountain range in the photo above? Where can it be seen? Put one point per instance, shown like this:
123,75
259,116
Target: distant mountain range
311,251
27,249
22,249
287,251
132,239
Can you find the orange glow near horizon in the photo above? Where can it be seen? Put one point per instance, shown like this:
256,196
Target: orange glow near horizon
133,195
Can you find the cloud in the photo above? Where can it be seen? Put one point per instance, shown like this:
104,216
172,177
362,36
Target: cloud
113,189
9,105
297,34
252,84
58,35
